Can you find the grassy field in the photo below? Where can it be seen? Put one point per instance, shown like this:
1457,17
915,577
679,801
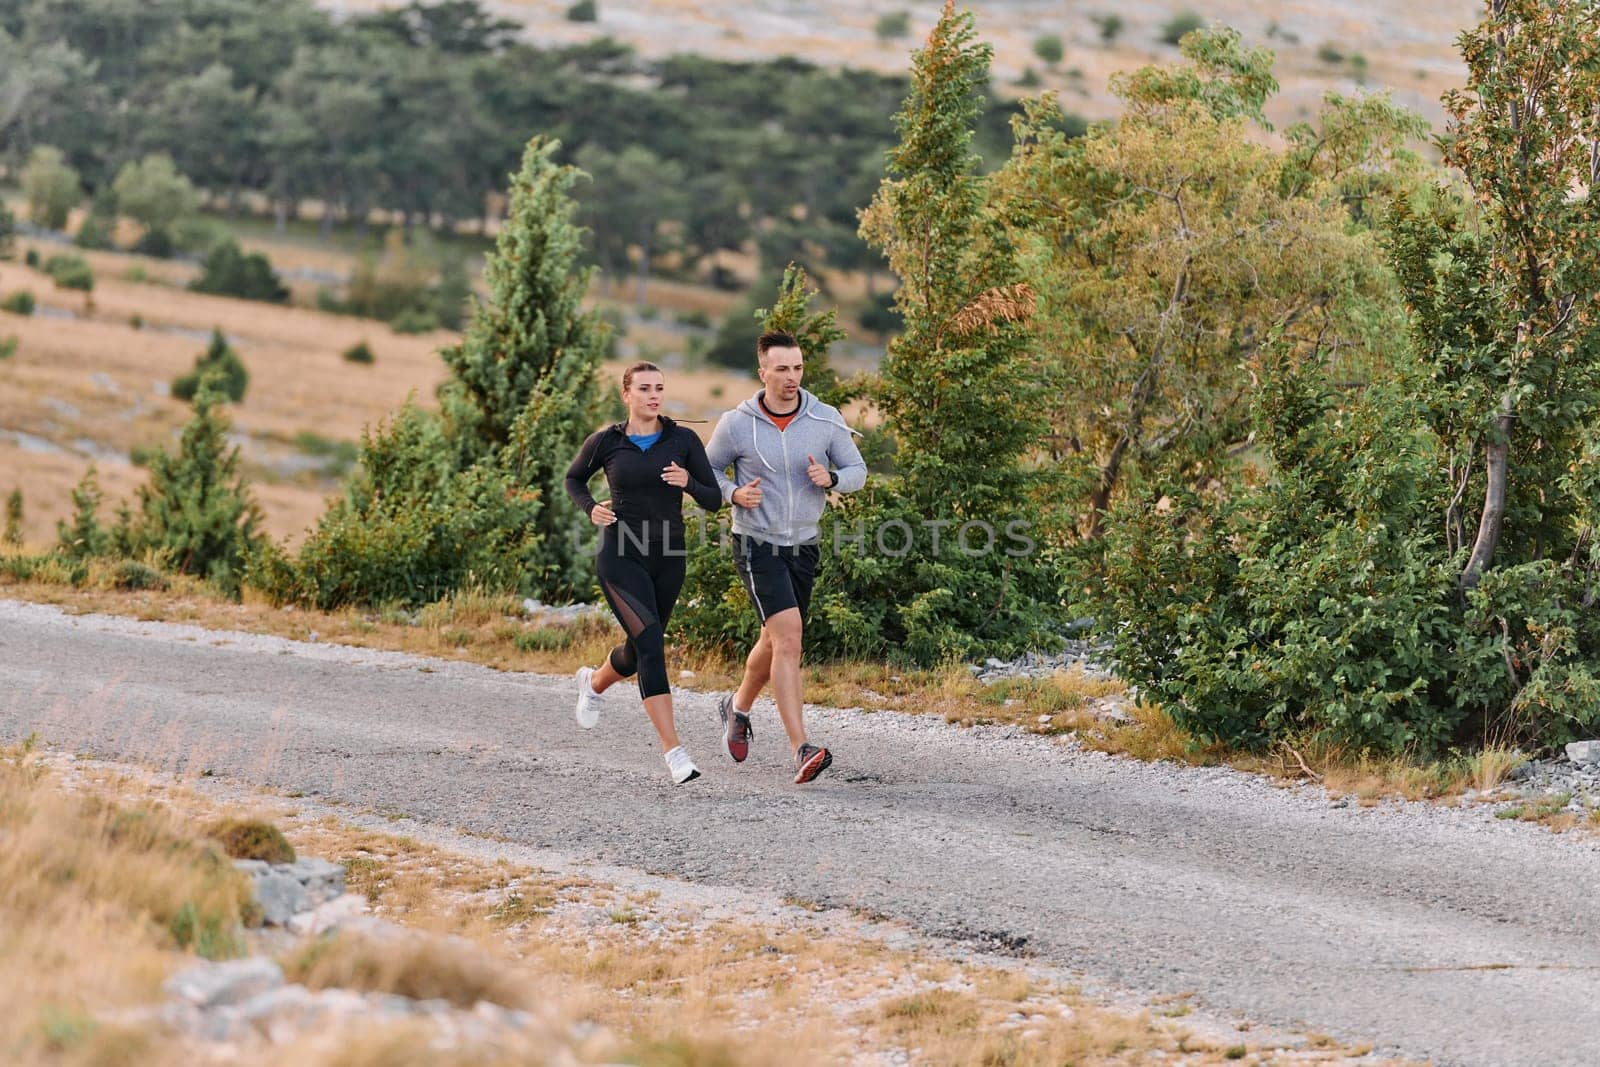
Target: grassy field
649,972
89,379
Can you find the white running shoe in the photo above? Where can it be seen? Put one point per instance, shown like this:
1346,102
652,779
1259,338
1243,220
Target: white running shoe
588,710
681,766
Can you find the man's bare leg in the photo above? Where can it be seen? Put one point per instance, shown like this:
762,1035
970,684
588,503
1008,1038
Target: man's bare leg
783,632
757,672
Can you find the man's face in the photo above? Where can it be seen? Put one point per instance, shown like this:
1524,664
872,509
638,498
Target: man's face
780,371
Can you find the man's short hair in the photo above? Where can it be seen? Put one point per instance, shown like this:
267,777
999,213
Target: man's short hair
774,339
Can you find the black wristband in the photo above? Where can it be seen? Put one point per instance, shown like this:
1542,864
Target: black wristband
833,479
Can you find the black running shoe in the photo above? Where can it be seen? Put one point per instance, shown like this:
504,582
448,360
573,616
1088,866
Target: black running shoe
737,733
809,762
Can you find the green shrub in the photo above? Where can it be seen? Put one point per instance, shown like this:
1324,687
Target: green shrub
132,575
51,187
20,302
230,271
70,272
13,529
196,514
31,258
219,364
94,233
583,11
253,839
8,347
1049,49
694,317
1111,26
409,529
360,352
1330,54
8,232
136,321
893,25
157,244
414,320
84,537
545,639
1179,26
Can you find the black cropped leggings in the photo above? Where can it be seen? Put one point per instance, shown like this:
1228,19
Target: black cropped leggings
641,590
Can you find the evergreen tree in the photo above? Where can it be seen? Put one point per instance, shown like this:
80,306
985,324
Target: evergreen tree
525,372
817,332
84,538
196,513
219,364
13,534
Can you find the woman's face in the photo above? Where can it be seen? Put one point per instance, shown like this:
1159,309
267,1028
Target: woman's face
643,395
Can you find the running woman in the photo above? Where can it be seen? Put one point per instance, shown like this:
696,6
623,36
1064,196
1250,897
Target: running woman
650,463
788,450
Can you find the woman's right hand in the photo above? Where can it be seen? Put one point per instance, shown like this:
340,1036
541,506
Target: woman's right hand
601,515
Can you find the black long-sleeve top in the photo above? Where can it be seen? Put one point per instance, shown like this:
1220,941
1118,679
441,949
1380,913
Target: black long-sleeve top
639,498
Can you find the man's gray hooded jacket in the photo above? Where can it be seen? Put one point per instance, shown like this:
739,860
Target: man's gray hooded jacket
751,442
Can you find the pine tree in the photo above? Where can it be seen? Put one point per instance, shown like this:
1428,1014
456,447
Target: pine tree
220,362
84,538
956,384
196,512
525,372
13,534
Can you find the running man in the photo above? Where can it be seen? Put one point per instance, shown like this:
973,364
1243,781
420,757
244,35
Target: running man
650,463
781,444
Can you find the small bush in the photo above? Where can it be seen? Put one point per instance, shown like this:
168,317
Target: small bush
414,321
1179,26
157,244
70,272
583,11
20,302
1111,27
8,232
1330,54
360,352
136,321
84,537
1049,49
132,576
31,258
1030,79
230,271
893,26
8,347
253,839
695,318
94,233
13,530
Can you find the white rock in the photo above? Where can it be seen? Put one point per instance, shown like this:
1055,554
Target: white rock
335,914
280,894
1584,752
210,985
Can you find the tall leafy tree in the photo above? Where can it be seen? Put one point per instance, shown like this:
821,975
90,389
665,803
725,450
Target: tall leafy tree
524,374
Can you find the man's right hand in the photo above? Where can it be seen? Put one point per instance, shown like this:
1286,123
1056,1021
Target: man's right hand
749,494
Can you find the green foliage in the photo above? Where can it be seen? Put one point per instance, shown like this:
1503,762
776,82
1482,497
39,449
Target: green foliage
1415,565
1049,49
13,528
414,321
132,576
84,537
409,528
94,233
154,194
1179,26
195,514
20,302
1110,26
1330,54
816,331
220,366
8,347
893,25
8,233
70,272
360,352
50,187
522,387
228,270
253,839
31,258
391,284
583,11
734,345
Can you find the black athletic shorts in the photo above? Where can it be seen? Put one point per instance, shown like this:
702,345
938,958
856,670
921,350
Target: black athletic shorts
777,577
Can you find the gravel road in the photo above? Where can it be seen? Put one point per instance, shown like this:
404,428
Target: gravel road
1433,932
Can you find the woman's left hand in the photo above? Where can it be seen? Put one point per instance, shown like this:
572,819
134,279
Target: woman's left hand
673,474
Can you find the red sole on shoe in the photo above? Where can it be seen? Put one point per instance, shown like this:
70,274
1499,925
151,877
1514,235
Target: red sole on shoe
814,766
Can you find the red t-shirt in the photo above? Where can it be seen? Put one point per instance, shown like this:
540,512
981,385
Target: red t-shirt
783,421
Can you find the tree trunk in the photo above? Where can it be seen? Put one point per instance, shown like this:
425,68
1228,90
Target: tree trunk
1498,458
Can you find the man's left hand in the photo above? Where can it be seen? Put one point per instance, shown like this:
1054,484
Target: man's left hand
819,475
